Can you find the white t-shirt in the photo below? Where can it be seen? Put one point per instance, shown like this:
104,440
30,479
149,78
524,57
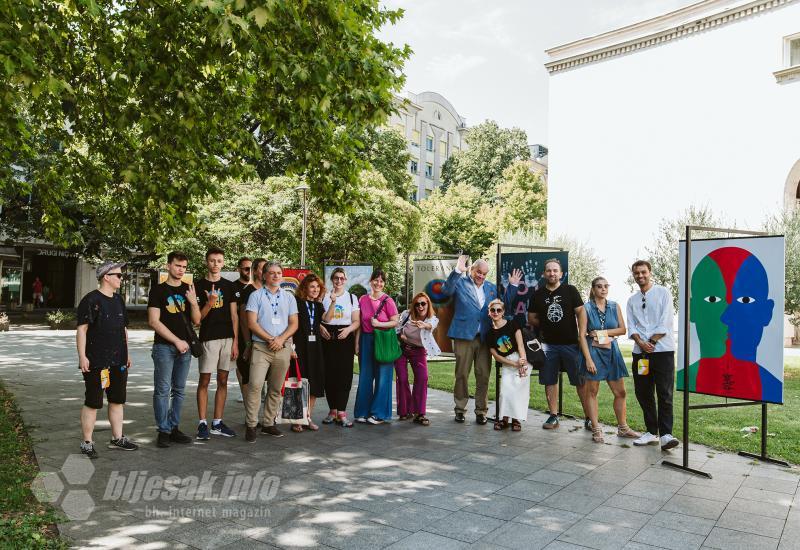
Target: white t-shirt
346,304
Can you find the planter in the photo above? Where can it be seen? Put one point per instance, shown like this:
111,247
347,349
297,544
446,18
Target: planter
61,325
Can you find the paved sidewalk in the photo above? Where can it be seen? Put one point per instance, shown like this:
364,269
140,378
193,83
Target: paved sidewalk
397,486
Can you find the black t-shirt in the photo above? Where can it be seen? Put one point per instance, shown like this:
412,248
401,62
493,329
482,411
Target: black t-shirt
218,323
556,312
105,337
171,301
238,288
503,339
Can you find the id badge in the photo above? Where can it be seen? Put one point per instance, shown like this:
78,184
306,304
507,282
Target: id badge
312,337
105,379
276,321
602,337
644,366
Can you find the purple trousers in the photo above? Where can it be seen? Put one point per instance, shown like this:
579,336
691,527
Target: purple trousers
409,402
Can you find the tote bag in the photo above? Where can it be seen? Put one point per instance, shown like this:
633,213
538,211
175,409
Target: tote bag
387,348
294,407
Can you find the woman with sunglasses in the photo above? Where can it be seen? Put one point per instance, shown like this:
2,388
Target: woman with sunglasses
600,322
417,343
339,328
505,342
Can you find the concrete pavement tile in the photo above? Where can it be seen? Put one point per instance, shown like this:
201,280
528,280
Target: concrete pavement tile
573,502
619,516
602,536
215,535
363,536
422,539
649,489
247,544
520,535
723,494
473,487
441,499
572,467
682,522
551,519
727,539
594,487
742,521
561,545
529,490
693,506
499,506
663,537
788,486
636,504
464,526
411,517
767,509
761,495
553,477
660,474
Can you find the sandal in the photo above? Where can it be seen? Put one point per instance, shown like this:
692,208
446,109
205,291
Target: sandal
501,425
405,417
330,419
311,426
344,422
422,419
625,431
297,428
597,435
516,426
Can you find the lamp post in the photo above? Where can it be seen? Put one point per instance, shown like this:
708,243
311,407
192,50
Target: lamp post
303,188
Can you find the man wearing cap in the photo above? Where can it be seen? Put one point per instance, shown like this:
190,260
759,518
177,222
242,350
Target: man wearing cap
103,359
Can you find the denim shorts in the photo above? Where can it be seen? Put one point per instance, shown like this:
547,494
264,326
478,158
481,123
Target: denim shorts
560,358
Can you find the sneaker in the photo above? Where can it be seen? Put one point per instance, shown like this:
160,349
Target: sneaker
240,399
343,421
221,429
646,439
374,420
668,442
551,423
123,444
272,430
202,431
250,434
330,419
361,420
163,440
177,436
87,448
480,419
460,418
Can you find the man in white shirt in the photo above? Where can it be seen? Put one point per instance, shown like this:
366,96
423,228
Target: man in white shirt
650,325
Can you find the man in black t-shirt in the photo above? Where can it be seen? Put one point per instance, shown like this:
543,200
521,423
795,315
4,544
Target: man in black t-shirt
219,330
240,286
171,310
102,340
554,310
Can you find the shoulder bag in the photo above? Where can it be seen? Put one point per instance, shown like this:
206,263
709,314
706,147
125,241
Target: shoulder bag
387,347
195,347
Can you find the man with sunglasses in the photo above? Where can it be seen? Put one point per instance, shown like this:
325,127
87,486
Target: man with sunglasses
650,319
102,340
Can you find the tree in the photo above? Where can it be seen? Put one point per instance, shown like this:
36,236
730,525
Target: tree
458,220
131,112
787,223
490,151
663,253
386,151
522,200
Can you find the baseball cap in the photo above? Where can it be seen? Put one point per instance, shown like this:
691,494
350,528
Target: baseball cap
105,267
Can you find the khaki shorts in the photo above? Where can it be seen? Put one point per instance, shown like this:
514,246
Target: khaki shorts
217,356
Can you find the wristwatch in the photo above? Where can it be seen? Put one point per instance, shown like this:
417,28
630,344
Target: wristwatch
653,342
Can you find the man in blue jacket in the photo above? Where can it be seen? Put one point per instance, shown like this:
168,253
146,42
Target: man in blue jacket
471,294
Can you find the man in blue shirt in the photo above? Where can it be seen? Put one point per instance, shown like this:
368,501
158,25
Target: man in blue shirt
272,319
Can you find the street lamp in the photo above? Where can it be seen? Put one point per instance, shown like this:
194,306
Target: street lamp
303,188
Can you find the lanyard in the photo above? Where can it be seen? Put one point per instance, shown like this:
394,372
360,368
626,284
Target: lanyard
276,303
312,311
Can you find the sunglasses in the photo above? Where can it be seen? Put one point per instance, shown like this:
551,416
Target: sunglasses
495,310
119,275
421,304
339,278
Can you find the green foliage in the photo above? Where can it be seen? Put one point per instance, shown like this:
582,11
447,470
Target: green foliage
522,200
387,152
787,223
458,219
491,149
60,317
120,117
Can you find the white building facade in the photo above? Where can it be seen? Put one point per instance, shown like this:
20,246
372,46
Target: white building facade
434,130
700,106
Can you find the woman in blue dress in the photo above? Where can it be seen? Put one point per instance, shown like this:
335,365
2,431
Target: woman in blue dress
600,322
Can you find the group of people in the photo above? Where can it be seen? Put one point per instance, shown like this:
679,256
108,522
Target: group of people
258,329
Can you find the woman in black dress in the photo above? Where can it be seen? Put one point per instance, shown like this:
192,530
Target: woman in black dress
308,342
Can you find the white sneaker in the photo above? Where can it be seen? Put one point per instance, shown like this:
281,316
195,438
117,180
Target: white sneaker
646,439
361,420
240,399
374,420
668,442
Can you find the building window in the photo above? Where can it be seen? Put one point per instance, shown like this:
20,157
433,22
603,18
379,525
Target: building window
794,51
429,143
415,138
443,148
429,170
413,168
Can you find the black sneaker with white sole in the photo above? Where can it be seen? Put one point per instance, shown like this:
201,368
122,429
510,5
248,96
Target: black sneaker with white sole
122,444
87,448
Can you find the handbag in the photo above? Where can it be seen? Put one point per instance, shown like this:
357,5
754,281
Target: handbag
195,347
387,346
296,393
533,349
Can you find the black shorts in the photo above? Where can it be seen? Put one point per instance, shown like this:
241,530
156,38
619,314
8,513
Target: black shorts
115,392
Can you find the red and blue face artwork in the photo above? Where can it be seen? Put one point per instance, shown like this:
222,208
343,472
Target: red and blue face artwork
729,308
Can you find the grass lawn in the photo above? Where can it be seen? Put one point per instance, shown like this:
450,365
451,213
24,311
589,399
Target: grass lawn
718,428
24,522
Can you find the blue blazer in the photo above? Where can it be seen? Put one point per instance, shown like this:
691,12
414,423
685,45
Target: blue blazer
469,319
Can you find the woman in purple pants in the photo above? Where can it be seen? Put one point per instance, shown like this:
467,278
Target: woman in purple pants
416,340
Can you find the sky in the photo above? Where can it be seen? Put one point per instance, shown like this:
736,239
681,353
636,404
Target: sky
487,57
